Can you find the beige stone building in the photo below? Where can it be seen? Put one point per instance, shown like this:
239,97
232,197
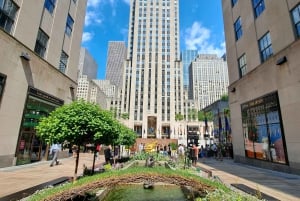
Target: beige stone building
39,55
152,84
263,49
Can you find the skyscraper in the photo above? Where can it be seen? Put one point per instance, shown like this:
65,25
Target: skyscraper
39,55
152,86
116,56
87,64
262,42
208,79
187,56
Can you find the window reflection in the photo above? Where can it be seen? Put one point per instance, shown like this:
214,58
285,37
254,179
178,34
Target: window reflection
262,129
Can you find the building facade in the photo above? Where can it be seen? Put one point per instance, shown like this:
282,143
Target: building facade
40,43
263,49
87,64
152,85
208,79
116,57
187,56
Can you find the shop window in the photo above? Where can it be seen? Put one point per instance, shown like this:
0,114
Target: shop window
262,129
31,148
2,84
8,10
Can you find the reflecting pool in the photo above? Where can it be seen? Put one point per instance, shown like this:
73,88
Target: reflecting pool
133,192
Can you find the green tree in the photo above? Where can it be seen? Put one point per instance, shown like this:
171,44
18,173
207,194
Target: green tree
125,116
202,114
224,97
78,122
178,117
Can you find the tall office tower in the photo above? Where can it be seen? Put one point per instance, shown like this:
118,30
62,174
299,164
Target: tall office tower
262,41
116,57
208,79
39,55
112,96
152,90
87,64
187,56
84,88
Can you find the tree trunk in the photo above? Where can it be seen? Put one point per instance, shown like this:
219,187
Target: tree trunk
95,155
76,165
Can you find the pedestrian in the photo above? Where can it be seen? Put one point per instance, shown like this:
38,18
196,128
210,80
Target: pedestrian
54,151
195,153
98,149
108,155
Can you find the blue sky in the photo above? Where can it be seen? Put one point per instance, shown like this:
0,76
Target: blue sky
201,27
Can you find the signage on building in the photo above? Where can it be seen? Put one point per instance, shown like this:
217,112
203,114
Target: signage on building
43,95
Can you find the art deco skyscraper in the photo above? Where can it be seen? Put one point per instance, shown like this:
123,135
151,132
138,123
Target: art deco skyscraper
152,87
116,56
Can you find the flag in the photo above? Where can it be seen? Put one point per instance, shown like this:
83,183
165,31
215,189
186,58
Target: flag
227,127
220,121
205,121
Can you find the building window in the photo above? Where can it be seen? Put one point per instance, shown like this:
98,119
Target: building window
262,129
2,84
296,19
258,6
265,47
41,43
238,28
63,62
69,25
50,5
233,2
8,11
242,65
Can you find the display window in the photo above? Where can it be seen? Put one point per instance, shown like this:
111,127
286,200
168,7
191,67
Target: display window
30,148
262,129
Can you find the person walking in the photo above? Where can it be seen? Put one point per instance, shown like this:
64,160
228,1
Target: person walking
54,150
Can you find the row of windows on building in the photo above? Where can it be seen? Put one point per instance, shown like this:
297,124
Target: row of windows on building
264,43
8,11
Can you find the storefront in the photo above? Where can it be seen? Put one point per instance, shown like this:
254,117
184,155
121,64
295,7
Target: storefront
263,130
38,104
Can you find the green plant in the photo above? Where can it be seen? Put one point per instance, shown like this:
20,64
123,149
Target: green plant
173,146
107,167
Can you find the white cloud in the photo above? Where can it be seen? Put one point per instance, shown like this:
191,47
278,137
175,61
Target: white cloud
92,17
87,36
93,3
198,38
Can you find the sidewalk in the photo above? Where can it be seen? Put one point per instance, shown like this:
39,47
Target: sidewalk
282,186
17,178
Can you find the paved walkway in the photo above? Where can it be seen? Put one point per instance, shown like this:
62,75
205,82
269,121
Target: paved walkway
282,186
285,187
17,178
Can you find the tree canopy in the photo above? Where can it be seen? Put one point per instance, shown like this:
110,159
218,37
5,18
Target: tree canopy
202,115
80,122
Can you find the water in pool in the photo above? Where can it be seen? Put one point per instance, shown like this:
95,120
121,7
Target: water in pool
132,192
